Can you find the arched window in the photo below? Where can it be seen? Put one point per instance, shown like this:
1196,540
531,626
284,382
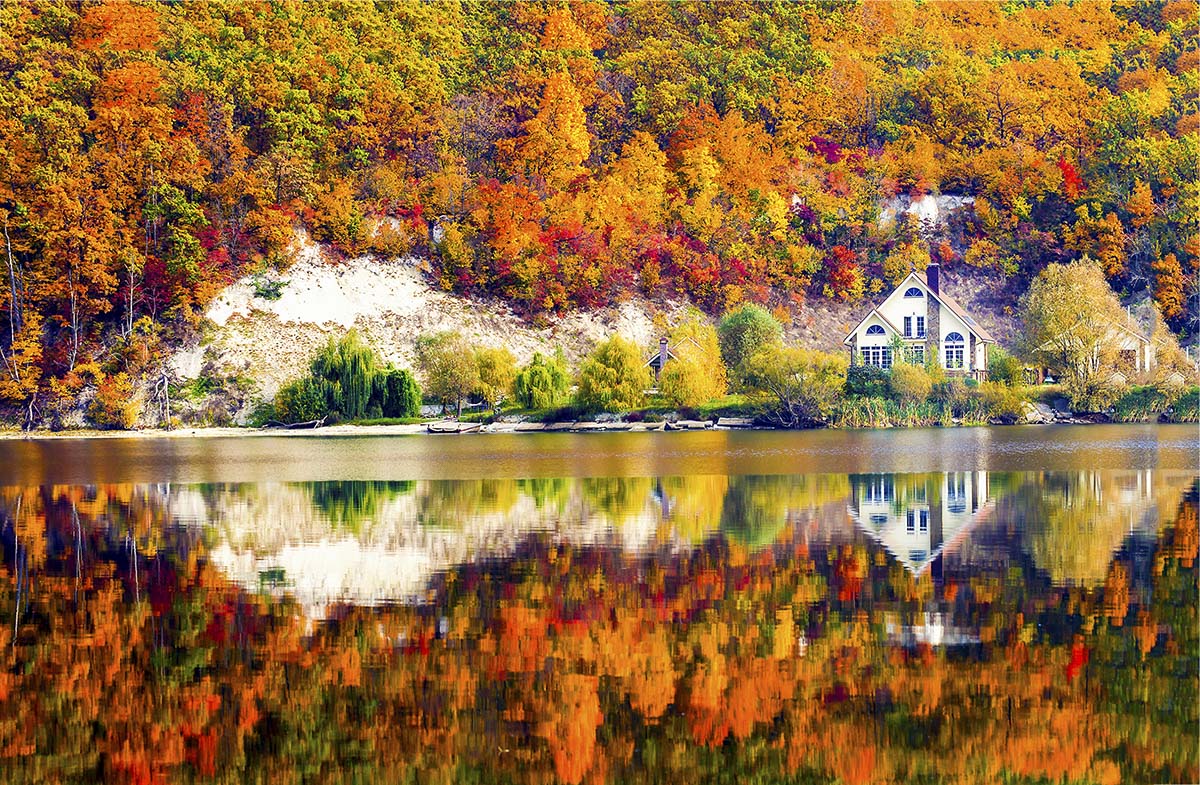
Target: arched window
954,350
913,291
877,330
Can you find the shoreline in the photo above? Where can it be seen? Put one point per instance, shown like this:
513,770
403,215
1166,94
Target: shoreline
423,429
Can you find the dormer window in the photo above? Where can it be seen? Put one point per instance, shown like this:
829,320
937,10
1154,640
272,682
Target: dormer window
913,291
875,330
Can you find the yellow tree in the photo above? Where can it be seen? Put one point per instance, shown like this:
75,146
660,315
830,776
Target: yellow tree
556,140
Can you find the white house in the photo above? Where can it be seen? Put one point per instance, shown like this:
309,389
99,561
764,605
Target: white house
928,321
916,517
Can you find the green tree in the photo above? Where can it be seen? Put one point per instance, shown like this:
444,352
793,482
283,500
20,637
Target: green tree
614,377
543,383
447,362
397,393
349,367
742,333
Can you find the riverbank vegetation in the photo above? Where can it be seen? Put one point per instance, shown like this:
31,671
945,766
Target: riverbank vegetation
741,367
569,156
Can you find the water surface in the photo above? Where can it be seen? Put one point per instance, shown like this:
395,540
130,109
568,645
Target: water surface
471,456
966,606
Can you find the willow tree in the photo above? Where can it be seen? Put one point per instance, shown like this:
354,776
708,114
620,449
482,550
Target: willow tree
614,377
350,368
543,383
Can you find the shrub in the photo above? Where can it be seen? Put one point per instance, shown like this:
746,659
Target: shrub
398,393
952,392
302,400
267,288
543,383
910,384
614,377
868,381
1003,367
116,405
1001,401
1186,408
804,383
1140,404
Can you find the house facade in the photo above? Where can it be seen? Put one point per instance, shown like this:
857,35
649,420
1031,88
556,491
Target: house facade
928,322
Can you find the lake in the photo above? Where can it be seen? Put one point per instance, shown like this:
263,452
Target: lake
968,605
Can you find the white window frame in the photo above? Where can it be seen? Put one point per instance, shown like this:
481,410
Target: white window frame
879,356
953,351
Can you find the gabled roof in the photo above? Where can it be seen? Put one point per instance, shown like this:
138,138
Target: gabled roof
953,305
945,546
1122,326
941,297
670,354
882,318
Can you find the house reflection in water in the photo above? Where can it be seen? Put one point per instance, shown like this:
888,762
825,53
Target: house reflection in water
917,517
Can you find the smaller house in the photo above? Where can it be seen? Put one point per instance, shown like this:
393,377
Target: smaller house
666,352
1136,352
928,323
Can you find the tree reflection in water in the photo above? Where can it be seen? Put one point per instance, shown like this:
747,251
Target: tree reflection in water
761,628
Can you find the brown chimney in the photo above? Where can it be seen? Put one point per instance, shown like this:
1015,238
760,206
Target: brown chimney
931,275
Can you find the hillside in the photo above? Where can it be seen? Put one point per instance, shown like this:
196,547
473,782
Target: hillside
393,302
551,159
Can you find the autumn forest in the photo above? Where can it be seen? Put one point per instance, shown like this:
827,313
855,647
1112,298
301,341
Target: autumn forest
559,156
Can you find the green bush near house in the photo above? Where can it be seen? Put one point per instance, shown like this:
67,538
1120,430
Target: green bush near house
1001,401
1003,368
802,384
867,381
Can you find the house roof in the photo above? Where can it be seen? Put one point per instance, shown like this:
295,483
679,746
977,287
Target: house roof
954,307
945,546
941,297
1122,325
873,312
670,354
